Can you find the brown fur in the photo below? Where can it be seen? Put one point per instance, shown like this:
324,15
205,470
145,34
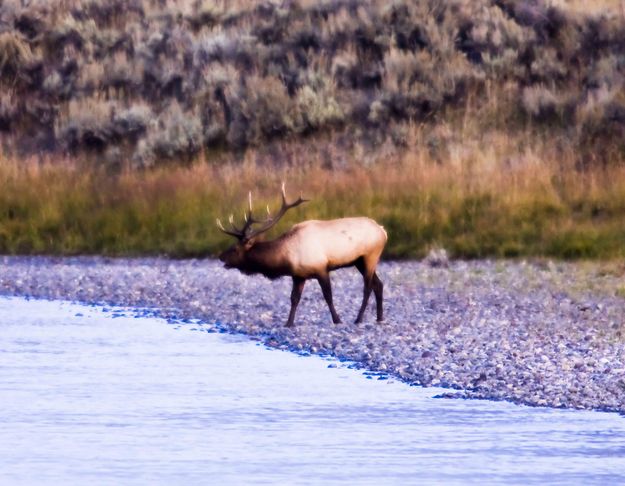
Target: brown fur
312,249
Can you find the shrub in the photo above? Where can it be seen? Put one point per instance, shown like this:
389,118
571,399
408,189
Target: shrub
503,65
69,32
490,31
31,23
248,72
15,56
131,122
547,67
318,108
541,103
91,77
210,47
176,134
402,69
261,109
601,124
105,12
8,111
205,15
317,105
120,73
344,68
606,71
591,114
53,85
87,124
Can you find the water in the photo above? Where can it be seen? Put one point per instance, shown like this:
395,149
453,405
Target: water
88,395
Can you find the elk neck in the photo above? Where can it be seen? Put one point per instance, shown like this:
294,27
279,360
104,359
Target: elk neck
267,258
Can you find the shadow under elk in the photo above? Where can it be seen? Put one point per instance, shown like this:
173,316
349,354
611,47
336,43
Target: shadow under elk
310,249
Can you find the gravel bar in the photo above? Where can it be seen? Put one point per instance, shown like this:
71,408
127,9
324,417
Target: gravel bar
538,333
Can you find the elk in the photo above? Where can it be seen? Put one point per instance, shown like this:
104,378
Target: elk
310,249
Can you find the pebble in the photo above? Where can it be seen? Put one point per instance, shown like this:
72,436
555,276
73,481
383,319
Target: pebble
500,330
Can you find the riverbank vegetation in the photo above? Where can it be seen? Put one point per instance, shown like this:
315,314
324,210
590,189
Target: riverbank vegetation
489,127
479,203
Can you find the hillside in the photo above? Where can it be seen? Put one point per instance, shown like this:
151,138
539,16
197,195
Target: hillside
139,82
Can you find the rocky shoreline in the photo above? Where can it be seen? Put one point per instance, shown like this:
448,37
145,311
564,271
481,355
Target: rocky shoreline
539,333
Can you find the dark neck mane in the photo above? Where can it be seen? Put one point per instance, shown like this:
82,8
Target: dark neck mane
266,258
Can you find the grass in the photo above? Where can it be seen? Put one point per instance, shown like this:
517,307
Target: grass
486,199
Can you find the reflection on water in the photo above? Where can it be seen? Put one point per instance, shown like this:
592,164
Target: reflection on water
92,395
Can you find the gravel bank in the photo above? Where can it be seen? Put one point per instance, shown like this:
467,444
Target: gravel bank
540,334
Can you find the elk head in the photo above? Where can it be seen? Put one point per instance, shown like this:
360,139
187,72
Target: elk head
235,256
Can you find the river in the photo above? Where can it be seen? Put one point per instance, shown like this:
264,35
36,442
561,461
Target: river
103,395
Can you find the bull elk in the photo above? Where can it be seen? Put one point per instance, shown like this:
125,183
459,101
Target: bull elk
310,249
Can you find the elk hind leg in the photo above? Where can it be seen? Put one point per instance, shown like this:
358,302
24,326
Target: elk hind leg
326,288
378,289
367,275
296,295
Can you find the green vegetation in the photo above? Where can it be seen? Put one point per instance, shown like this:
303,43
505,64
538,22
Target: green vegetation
472,209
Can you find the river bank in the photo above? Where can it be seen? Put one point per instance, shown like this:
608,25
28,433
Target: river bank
540,333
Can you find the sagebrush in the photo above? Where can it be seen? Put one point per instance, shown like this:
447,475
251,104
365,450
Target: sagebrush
139,82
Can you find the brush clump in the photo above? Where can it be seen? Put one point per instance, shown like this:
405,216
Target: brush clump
245,73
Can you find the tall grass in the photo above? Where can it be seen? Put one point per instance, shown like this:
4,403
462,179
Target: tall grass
485,199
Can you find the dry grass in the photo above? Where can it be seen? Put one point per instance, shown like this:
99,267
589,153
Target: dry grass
480,202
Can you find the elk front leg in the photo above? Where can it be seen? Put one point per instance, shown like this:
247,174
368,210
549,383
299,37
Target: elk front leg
326,288
296,295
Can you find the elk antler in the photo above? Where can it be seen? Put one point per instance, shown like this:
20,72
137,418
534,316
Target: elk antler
239,233
270,222
246,233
